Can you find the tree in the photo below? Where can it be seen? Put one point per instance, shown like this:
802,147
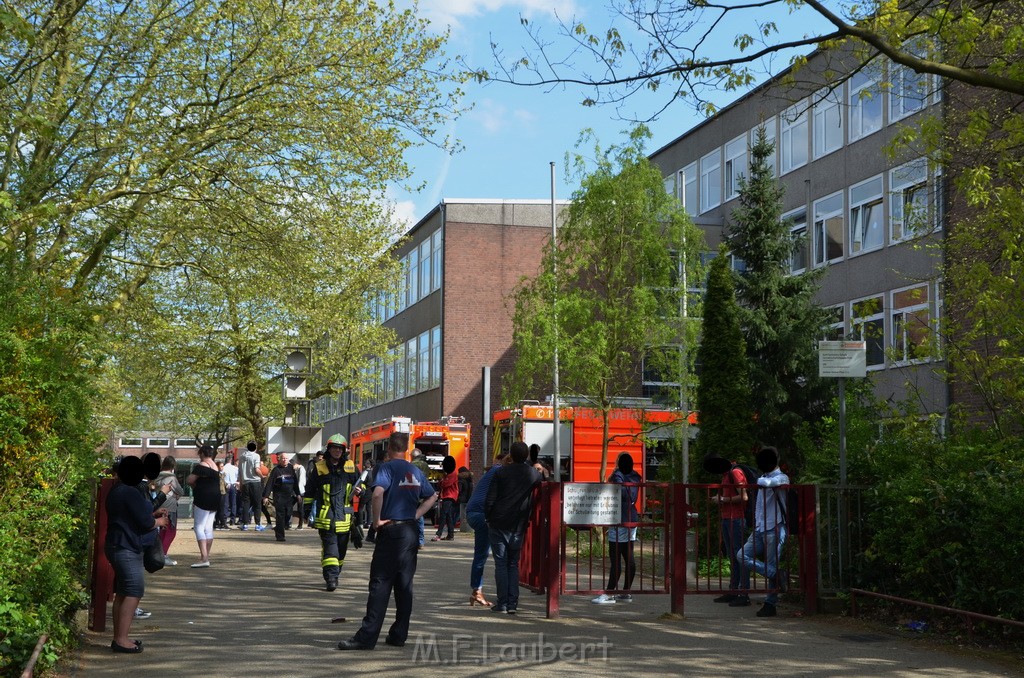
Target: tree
609,291
723,393
674,46
780,320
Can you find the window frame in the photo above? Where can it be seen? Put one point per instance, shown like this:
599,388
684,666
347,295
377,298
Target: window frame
862,95
691,189
787,130
873,200
833,98
707,185
858,322
897,320
730,174
793,228
824,217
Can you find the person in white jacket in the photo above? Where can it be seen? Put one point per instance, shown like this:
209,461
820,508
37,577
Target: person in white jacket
769,535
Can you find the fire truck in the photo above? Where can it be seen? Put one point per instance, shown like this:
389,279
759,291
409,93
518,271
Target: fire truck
637,426
437,439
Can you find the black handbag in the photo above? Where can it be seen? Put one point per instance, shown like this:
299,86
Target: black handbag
153,554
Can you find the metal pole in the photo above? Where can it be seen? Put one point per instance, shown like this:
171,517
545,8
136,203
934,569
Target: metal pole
555,416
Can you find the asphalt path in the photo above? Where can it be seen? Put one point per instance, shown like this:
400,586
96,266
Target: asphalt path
261,610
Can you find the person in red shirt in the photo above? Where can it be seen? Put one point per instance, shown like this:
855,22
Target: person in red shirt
732,502
449,491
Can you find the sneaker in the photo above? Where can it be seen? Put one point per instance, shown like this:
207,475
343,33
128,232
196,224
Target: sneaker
142,614
624,598
435,538
261,528
511,610
168,561
767,610
603,599
204,563
727,598
244,528
740,601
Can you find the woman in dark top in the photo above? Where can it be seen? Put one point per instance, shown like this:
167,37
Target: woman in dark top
131,521
205,482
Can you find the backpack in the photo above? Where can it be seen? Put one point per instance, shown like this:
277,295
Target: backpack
751,475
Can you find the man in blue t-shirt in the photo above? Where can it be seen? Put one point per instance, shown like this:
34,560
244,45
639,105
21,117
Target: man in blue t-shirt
401,495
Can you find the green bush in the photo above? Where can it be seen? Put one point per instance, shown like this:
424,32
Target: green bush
47,461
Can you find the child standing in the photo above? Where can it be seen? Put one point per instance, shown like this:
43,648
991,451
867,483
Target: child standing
449,491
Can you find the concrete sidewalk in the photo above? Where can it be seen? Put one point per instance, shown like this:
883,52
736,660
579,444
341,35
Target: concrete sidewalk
261,610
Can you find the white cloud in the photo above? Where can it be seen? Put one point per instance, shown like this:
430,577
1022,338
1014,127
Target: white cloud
453,12
496,118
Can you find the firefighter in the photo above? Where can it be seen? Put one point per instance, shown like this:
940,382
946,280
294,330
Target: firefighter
332,484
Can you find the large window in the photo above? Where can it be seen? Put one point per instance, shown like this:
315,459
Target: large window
798,232
735,165
690,195
424,360
412,356
711,180
769,136
793,141
866,100
827,239
412,278
867,231
828,122
836,329
659,384
909,93
435,357
911,323
425,278
435,263
867,322
158,442
915,200
670,185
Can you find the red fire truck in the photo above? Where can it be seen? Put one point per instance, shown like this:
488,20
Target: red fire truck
639,428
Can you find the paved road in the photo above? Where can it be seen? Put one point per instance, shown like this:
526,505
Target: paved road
261,610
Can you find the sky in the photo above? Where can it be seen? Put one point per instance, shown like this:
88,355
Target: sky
513,133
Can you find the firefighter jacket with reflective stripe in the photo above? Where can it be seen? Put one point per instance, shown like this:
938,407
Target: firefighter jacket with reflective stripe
333,488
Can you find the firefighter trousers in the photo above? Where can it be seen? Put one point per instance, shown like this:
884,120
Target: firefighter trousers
332,555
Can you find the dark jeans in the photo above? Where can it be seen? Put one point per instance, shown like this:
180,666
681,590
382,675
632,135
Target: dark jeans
481,548
392,568
229,504
506,545
252,498
732,542
447,517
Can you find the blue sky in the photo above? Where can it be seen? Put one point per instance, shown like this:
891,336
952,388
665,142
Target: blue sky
513,133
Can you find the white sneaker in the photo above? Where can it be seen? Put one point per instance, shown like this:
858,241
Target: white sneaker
168,561
205,563
603,599
142,614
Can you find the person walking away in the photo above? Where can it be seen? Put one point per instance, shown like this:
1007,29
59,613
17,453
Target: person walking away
465,492
401,495
769,533
481,535
251,486
205,483
173,491
300,476
230,500
621,538
420,462
732,502
332,483
282,485
507,509
449,492
131,522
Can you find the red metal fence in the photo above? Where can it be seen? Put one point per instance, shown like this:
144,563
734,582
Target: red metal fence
678,550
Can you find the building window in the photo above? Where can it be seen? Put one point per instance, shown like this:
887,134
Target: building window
836,330
690,189
670,185
798,233
793,142
735,165
867,323
435,264
658,385
828,123
866,228
424,360
158,442
130,442
710,180
425,278
769,137
412,370
185,442
435,357
909,92
911,324
827,239
915,203
412,278
866,101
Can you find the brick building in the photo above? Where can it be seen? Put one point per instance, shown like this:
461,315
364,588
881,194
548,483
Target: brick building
461,262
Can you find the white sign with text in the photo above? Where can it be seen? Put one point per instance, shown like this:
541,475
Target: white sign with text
591,504
842,358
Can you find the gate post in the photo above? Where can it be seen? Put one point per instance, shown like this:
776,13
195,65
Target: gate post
677,528
102,572
554,563
808,542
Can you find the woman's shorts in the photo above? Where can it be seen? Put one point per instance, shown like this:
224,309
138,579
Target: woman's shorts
129,574
621,534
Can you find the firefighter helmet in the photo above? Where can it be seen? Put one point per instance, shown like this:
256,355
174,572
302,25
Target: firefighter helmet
337,439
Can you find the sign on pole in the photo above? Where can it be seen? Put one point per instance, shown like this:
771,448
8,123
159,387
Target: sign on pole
842,358
591,504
